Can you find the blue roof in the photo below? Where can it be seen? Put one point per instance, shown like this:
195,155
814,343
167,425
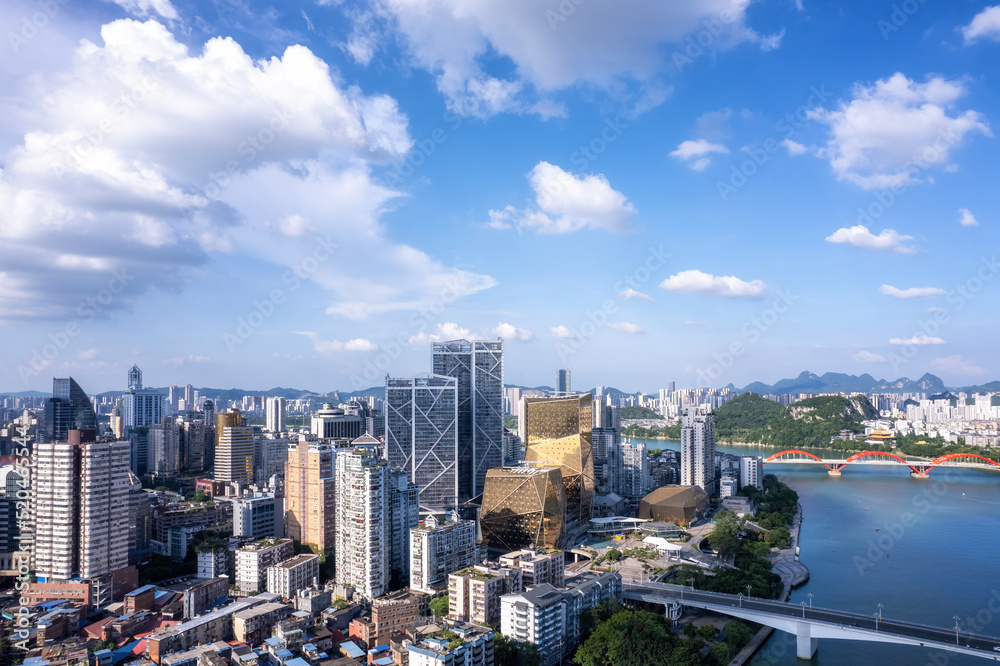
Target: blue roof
124,651
137,592
384,661
352,650
379,648
297,661
274,640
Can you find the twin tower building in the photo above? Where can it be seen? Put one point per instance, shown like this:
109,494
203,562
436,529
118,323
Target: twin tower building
445,428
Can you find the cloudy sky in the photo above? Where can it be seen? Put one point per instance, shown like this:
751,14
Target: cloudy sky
241,194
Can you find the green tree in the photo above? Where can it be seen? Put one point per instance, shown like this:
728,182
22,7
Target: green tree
439,606
720,653
779,537
725,539
736,635
613,555
629,638
707,631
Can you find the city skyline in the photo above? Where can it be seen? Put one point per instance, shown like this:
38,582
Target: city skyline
837,217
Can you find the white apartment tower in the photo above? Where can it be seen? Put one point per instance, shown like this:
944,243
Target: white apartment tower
438,549
80,512
752,472
275,414
362,521
698,448
635,470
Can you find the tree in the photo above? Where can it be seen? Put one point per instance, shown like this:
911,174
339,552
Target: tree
737,635
725,539
628,638
707,631
439,606
720,653
613,555
779,537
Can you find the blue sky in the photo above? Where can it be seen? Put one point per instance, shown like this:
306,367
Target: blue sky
235,193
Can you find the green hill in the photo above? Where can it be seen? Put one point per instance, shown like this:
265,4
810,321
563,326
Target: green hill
636,412
811,422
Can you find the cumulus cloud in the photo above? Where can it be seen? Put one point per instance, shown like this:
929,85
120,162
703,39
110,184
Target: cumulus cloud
631,293
330,348
888,240
562,332
793,147
695,153
894,131
913,293
984,25
145,158
967,219
865,356
549,48
956,365
917,340
442,332
567,203
705,284
181,360
511,332
626,327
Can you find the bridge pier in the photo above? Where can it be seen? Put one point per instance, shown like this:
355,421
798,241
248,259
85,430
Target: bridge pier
835,470
805,644
920,473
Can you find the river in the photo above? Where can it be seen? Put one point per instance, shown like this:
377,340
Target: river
937,554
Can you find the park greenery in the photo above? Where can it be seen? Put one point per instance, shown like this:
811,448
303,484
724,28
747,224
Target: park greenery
654,432
637,412
776,505
614,636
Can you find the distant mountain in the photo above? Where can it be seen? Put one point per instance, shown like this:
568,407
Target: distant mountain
991,387
835,382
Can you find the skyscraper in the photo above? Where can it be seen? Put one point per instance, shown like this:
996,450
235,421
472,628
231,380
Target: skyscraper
404,515
524,507
421,436
69,408
635,470
478,367
165,449
438,549
607,448
81,511
363,529
275,408
310,500
562,386
141,407
559,434
233,448
698,448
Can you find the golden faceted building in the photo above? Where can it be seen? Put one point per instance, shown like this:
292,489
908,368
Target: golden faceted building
558,433
310,497
523,507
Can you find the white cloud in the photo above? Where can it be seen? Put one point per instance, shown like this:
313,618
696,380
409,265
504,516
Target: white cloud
697,150
967,219
544,48
794,148
567,203
936,310
984,24
626,327
330,348
631,293
917,340
145,157
705,284
88,353
511,332
562,332
913,293
892,132
145,8
956,365
865,356
180,360
442,332
888,240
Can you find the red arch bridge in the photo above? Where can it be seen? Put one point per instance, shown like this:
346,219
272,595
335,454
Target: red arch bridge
919,467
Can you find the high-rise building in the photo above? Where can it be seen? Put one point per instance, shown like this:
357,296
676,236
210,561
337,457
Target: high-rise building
141,408
275,417
752,472
172,397
270,455
538,616
635,470
559,432
478,367
189,396
69,408
437,549
513,399
404,515
474,593
310,499
421,436
562,386
698,448
140,522
194,444
253,560
524,507
258,517
164,449
80,513
607,448
338,423
363,530
233,448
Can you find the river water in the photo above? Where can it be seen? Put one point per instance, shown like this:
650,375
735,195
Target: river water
936,554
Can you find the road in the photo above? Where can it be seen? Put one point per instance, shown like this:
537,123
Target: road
841,618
